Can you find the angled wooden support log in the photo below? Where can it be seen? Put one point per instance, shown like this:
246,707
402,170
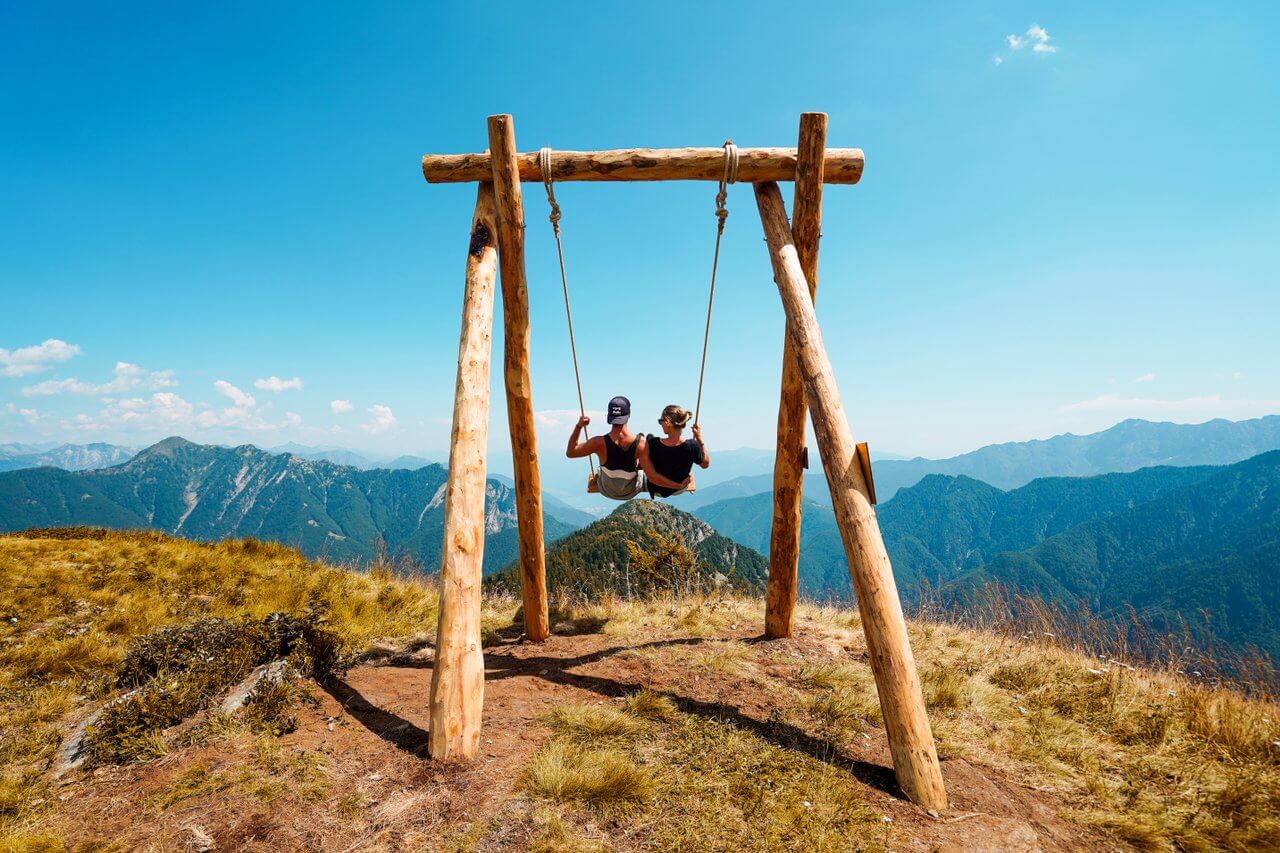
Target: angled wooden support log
840,166
788,460
457,678
515,354
915,760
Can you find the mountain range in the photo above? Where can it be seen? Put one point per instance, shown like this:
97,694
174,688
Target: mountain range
1127,446
1173,542
205,492
72,457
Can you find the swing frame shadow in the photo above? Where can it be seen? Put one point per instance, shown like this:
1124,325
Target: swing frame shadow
457,687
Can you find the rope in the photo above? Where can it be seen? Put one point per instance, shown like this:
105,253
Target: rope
722,213
544,165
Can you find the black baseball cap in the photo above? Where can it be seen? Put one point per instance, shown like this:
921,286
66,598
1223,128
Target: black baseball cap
619,410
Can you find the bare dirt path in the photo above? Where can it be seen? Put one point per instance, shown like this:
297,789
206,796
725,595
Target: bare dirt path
362,749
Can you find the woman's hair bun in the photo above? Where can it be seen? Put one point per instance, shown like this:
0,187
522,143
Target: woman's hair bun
678,416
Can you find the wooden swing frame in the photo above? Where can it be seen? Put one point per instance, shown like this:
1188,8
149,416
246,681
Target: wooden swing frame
808,384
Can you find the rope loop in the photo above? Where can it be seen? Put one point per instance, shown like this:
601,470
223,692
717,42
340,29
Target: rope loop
730,177
544,166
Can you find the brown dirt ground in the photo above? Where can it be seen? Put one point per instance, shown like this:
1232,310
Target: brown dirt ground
368,731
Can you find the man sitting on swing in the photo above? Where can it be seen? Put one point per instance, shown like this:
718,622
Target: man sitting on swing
670,458
618,450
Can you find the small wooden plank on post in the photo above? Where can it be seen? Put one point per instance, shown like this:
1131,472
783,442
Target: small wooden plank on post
840,165
915,759
791,457
457,678
515,338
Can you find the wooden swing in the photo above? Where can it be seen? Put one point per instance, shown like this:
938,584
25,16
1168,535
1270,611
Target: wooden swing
808,386
554,217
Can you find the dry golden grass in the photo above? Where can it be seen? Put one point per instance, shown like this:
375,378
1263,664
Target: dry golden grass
601,777
1148,756
72,605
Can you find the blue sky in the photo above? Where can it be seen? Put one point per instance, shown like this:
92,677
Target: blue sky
1050,236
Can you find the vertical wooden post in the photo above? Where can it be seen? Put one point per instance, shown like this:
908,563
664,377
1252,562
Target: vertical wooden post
788,460
515,346
915,760
457,678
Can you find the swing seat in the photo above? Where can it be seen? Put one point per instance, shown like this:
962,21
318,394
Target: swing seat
593,485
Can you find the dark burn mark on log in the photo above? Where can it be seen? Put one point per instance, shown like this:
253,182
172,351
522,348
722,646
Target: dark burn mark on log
481,239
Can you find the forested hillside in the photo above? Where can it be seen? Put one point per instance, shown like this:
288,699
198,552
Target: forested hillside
679,552
1208,550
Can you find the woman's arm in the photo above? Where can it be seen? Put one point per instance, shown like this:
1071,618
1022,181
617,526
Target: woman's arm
651,473
577,450
697,436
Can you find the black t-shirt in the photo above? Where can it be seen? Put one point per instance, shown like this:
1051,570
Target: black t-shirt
674,463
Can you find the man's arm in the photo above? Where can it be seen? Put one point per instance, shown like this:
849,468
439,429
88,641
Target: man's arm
697,436
651,473
576,449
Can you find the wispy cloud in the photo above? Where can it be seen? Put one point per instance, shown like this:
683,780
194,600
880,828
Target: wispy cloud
234,394
275,384
1146,377
1036,37
340,407
25,361
1208,406
566,418
126,377
381,421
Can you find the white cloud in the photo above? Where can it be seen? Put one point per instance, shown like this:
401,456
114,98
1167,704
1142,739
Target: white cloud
275,384
340,407
566,418
382,420
163,410
1208,406
235,395
127,377
1036,37
292,419
1146,377
35,359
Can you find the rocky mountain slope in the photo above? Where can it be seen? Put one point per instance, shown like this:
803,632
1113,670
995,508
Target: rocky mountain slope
203,492
72,457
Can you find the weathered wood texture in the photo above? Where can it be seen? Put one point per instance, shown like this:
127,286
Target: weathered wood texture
515,338
842,166
915,760
788,460
457,679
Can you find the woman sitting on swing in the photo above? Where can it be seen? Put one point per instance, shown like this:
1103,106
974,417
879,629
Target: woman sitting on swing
618,450
671,458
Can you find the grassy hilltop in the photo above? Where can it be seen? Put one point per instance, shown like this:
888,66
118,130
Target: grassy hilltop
663,723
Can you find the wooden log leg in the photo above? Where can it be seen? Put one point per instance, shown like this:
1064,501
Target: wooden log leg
788,460
915,761
515,310
457,679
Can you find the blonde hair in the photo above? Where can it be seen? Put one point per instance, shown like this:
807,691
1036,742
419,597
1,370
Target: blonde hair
676,415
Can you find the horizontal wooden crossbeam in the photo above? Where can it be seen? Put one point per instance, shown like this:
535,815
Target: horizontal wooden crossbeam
842,166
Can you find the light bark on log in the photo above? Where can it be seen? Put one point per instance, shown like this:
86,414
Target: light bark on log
915,760
515,311
842,165
788,460
457,677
